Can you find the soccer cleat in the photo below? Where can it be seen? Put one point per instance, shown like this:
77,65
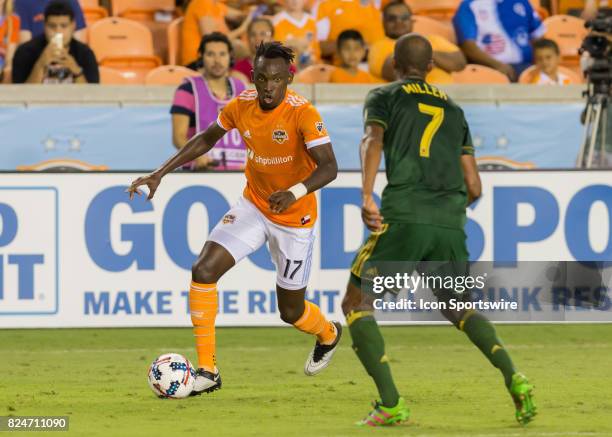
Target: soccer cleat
322,354
522,395
386,416
206,382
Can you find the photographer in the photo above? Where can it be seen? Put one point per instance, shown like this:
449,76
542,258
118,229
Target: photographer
55,56
596,151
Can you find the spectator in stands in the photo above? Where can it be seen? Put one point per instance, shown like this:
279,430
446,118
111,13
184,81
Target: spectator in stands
498,33
298,30
547,57
198,101
31,13
55,56
9,34
259,30
205,16
335,16
397,21
351,51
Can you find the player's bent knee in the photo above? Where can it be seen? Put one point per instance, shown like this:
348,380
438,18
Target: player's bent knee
453,316
291,315
355,300
202,272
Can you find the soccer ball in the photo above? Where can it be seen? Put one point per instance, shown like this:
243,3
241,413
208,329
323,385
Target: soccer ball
171,376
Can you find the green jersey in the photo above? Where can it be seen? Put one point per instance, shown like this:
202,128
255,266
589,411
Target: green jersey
425,136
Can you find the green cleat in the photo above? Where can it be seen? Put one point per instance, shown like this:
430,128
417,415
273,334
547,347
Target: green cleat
385,416
522,395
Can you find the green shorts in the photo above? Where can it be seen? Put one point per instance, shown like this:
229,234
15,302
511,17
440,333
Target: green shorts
412,243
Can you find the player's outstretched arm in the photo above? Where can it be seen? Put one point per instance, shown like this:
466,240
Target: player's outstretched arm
326,171
371,148
471,177
195,147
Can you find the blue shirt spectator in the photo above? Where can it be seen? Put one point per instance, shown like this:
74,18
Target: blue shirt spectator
498,33
32,15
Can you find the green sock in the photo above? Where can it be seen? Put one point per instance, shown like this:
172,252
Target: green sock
369,346
482,333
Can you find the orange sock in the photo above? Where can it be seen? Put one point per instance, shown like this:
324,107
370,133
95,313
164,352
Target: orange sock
203,304
314,322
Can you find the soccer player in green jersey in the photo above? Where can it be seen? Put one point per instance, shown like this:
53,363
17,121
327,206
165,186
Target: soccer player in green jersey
432,177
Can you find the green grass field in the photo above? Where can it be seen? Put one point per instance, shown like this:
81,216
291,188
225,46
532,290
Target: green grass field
98,378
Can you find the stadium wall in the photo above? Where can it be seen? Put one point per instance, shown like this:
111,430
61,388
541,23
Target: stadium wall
128,128
74,252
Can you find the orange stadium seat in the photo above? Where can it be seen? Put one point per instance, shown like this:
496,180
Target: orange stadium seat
110,76
475,74
568,32
174,40
94,14
429,26
319,73
440,9
526,76
124,45
565,6
141,10
92,11
169,75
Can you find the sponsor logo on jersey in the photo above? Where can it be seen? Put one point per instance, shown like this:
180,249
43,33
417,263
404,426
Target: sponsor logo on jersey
247,134
228,219
320,127
280,135
305,220
268,160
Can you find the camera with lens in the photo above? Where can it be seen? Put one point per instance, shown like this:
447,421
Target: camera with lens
597,45
598,70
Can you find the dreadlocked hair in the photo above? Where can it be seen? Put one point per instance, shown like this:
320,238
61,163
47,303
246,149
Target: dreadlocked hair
273,50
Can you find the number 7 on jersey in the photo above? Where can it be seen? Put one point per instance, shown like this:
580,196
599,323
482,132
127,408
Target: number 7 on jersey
432,127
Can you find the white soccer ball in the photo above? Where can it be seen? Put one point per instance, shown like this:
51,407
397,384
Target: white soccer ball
171,376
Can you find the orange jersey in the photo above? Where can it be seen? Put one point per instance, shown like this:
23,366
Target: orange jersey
382,49
277,144
335,16
541,78
340,75
286,28
198,9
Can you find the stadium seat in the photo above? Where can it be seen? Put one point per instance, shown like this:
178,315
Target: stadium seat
124,45
526,76
169,75
568,32
110,76
89,3
92,11
440,9
429,26
565,6
94,14
475,74
141,10
174,40
319,73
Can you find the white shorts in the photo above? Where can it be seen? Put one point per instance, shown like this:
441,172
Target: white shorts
244,229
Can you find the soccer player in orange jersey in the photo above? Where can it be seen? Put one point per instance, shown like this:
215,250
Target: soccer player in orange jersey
289,157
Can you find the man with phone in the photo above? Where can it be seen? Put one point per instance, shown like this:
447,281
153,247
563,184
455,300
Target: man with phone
55,56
